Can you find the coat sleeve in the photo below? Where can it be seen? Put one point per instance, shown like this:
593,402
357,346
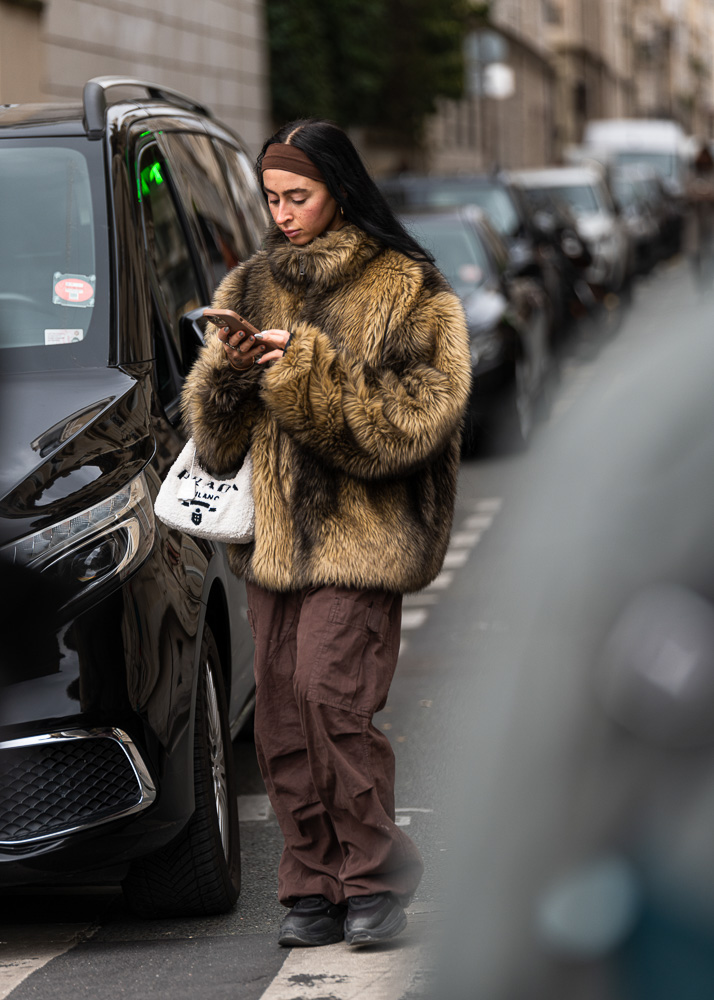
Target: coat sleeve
376,421
220,405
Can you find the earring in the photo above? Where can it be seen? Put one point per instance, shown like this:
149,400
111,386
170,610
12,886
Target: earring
342,211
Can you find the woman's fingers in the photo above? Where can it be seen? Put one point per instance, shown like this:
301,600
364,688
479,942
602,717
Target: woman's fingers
274,338
270,356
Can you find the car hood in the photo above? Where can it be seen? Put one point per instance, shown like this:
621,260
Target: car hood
67,441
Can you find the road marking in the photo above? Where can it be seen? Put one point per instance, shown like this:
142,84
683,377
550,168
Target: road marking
410,600
414,617
491,504
460,538
257,808
479,521
402,820
32,947
461,544
456,557
338,971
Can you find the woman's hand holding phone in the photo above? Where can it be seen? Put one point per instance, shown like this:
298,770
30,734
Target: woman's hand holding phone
243,341
237,335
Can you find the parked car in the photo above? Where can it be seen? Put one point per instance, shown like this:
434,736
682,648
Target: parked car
557,230
115,731
507,321
599,225
509,215
657,143
642,213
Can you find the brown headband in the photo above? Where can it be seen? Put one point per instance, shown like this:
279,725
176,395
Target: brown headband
280,156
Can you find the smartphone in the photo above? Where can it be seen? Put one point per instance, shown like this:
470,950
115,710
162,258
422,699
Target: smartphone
234,322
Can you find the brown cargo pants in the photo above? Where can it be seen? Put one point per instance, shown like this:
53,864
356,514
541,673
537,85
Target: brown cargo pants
324,660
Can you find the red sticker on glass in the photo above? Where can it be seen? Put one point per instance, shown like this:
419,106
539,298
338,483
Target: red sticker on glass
73,289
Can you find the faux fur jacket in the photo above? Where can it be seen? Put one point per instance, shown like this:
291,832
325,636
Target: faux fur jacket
356,429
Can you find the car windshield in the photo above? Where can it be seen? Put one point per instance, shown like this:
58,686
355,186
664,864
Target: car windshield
582,198
664,163
458,252
625,191
495,201
52,277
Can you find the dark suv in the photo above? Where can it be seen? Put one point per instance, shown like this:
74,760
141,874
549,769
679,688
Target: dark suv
127,658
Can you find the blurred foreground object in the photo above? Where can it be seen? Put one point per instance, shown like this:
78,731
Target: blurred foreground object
584,862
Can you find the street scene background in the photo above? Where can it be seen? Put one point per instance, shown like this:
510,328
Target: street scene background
551,678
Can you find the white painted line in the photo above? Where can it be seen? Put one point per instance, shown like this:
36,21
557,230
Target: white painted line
254,809
492,504
338,971
456,557
414,617
479,521
402,820
465,538
417,600
412,809
442,581
26,949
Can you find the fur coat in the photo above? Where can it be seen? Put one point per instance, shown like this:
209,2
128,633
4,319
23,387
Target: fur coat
356,429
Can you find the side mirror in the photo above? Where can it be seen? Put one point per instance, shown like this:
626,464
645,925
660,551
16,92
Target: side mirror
191,334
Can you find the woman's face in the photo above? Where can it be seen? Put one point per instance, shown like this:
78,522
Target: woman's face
301,207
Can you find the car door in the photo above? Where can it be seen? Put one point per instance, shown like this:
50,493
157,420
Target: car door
192,239
174,268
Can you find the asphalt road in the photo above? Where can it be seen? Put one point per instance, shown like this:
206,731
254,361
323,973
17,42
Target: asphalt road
87,944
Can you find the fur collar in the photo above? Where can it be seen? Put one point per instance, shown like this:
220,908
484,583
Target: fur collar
329,260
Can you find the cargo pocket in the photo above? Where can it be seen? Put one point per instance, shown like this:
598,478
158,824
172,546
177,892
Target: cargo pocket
352,670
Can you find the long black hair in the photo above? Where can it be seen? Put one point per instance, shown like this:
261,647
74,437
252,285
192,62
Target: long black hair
347,180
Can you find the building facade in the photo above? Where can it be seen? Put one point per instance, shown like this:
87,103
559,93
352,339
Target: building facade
507,115
592,45
214,50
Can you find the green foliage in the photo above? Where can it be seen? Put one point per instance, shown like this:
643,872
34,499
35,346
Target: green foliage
374,63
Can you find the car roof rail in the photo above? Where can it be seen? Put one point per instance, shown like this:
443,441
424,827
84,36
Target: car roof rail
94,99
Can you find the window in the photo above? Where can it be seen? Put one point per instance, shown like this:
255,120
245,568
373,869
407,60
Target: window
48,266
176,283
251,211
208,205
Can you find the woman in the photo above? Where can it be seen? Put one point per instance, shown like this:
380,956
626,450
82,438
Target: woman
352,400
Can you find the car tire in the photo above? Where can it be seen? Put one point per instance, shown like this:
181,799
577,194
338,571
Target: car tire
198,873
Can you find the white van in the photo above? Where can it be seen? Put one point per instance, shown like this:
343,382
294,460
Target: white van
658,142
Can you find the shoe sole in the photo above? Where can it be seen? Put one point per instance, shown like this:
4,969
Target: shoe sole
293,940
385,932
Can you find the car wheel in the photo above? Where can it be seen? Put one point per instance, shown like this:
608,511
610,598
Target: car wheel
198,873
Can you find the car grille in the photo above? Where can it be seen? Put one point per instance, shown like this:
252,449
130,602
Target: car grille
57,784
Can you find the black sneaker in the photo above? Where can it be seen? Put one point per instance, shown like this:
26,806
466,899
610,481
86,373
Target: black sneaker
371,919
312,921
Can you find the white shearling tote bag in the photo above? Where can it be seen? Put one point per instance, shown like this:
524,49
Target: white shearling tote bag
197,503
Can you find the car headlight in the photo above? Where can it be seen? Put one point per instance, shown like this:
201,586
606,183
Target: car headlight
107,541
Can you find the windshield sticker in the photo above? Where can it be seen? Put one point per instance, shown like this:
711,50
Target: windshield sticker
73,289
63,336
